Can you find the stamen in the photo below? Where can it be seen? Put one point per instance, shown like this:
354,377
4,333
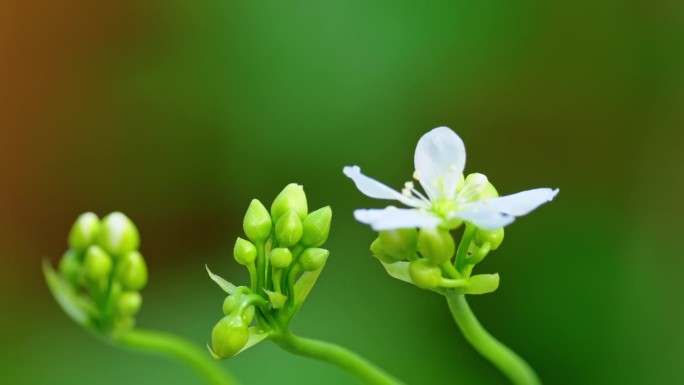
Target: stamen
416,175
420,195
409,185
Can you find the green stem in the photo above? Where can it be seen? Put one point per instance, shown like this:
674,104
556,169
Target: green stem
511,364
344,359
261,268
462,252
179,349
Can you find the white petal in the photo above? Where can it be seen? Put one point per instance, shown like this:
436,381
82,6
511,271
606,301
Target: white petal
374,189
486,220
521,203
440,154
490,214
393,218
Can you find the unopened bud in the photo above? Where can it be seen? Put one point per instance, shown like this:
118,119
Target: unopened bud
436,244
129,303
84,232
229,336
425,274
317,227
288,229
313,258
480,186
245,252
400,244
281,258
70,267
97,264
380,253
132,271
493,237
291,198
257,222
118,235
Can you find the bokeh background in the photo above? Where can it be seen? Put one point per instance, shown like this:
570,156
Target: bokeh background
179,112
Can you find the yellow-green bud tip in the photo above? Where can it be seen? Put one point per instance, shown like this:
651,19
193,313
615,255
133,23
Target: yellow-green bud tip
245,252
257,222
313,259
289,229
281,258
132,271
291,198
118,235
97,264
317,227
84,232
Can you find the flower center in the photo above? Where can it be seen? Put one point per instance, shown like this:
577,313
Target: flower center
443,207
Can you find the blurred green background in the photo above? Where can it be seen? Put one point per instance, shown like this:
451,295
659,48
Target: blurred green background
179,112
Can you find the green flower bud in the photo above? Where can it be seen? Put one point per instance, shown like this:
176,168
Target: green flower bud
281,258
129,303
494,237
118,235
313,259
291,198
436,244
231,303
229,336
399,244
482,283
97,264
425,274
84,232
70,267
257,222
380,253
245,252
288,229
132,271
317,227
480,186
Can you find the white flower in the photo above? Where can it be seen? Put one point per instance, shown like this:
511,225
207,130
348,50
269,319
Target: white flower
449,197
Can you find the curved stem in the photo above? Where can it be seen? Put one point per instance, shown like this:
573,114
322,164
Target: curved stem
344,359
514,367
179,349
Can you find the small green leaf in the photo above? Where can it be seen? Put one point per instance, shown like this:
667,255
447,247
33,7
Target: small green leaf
277,299
304,285
398,270
225,285
256,335
75,306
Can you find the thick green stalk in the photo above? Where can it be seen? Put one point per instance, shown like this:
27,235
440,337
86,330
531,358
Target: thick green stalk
179,349
514,367
344,359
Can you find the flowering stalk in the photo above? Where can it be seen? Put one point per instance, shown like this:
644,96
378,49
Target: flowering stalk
514,367
98,285
416,244
284,259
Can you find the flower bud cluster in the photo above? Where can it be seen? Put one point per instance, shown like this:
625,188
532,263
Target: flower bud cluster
282,246
431,257
104,267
